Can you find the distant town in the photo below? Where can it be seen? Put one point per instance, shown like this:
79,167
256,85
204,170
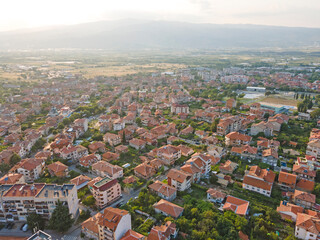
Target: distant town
193,148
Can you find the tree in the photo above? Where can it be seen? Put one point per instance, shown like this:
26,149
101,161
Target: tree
138,121
35,222
61,219
89,201
315,113
60,125
14,159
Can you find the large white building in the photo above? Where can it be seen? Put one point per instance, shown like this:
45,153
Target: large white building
19,200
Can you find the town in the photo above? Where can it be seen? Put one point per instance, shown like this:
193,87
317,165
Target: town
160,151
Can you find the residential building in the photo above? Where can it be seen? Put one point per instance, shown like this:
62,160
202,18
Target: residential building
132,235
304,199
105,190
215,196
112,139
289,211
89,160
230,103
179,179
163,190
30,168
58,169
12,178
262,127
270,156
144,170
259,180
313,148
237,205
90,227
166,231
138,144
245,151
18,200
179,108
168,209
229,124
287,181
304,172
113,224
105,169
228,167
237,139
80,181
169,154
307,227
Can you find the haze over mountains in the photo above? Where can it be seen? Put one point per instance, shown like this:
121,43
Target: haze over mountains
140,34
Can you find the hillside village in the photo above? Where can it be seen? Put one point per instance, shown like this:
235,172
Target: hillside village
165,155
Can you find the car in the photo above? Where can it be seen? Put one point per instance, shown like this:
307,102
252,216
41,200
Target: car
22,226
25,227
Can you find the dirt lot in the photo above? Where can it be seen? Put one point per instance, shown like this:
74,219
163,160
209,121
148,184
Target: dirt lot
277,100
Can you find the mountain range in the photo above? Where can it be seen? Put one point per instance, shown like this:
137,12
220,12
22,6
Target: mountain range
133,34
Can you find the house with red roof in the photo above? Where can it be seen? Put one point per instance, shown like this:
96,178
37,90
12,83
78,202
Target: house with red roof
58,169
287,181
304,199
259,180
168,209
237,139
163,190
289,211
236,205
166,231
307,226
216,196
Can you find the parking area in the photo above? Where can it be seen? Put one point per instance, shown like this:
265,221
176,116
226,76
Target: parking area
14,229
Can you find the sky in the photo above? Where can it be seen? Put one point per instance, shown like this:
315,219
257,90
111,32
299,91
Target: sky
20,14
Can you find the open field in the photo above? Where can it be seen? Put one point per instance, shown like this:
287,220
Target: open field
126,69
279,101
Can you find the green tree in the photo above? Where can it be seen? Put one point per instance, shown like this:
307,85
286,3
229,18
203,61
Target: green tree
35,221
60,125
61,220
315,113
89,201
14,159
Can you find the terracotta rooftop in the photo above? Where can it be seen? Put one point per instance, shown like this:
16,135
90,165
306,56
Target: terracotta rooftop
169,208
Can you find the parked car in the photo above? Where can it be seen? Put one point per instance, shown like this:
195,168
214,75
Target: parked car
22,226
25,228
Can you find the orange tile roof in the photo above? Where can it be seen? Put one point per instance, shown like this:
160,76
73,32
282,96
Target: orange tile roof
80,180
303,170
132,235
111,217
289,207
169,208
236,205
238,136
263,174
309,223
305,185
57,167
178,175
216,194
162,188
10,178
92,223
304,196
287,178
